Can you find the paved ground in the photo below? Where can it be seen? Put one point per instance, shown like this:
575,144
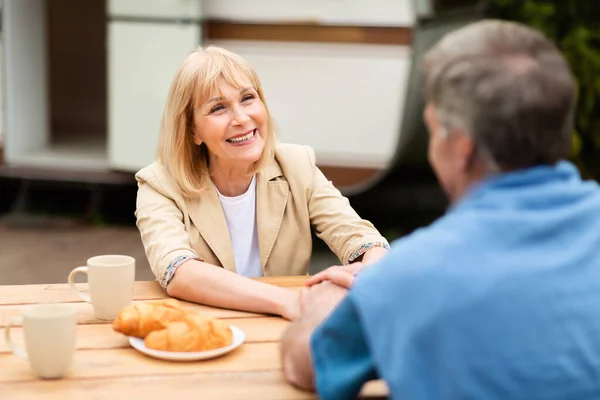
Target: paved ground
46,254
34,251
39,247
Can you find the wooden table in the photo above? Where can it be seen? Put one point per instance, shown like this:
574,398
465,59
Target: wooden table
105,366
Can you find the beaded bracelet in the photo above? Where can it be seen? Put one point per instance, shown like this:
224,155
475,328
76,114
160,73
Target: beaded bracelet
366,247
172,267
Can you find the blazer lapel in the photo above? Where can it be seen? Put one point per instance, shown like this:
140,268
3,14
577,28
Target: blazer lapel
207,214
271,199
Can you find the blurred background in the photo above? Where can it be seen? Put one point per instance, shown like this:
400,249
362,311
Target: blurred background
84,84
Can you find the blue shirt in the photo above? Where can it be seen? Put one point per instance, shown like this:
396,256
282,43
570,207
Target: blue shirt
498,299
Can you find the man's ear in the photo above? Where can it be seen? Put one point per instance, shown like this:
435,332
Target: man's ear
465,150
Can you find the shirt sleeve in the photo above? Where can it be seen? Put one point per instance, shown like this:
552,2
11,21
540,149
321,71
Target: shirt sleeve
335,221
162,230
342,361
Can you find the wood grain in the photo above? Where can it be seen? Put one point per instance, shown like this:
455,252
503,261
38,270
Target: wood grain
61,293
102,336
105,366
285,281
106,363
85,312
142,290
307,32
259,385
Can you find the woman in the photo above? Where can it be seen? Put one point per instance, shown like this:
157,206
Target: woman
224,202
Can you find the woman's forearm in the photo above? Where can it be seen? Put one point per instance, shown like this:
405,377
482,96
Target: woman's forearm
373,255
208,284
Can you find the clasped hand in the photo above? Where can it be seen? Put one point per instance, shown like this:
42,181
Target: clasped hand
340,275
317,301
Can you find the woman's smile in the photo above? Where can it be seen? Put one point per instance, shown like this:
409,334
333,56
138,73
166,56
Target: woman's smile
243,139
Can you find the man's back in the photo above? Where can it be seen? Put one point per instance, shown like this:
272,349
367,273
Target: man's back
498,299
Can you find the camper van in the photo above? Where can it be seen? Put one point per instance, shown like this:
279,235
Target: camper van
84,84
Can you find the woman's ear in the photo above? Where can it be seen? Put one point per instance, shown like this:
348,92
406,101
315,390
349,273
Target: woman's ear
197,139
191,124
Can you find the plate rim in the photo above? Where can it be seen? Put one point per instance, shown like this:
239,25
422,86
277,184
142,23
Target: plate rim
140,346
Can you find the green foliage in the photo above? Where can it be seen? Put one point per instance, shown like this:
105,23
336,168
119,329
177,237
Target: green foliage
574,25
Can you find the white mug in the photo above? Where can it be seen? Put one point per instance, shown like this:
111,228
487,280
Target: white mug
110,281
49,331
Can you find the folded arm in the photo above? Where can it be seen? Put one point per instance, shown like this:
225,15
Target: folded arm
354,240
166,240
349,236
209,284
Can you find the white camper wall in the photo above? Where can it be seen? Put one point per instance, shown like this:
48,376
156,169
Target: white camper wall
334,71
343,12
147,40
343,99
26,118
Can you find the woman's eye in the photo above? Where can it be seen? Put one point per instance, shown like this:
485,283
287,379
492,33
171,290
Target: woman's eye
216,108
248,97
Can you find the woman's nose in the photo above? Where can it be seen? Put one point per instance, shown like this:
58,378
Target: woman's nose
240,117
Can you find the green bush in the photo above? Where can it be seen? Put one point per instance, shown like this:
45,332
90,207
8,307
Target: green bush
574,25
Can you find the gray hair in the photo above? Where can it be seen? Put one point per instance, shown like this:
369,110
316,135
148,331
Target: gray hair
507,86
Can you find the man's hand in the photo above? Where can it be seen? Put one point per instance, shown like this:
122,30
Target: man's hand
318,301
340,275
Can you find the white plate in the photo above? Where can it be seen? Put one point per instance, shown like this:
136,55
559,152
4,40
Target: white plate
238,339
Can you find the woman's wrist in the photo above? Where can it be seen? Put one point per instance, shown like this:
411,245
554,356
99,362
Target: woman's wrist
373,254
288,304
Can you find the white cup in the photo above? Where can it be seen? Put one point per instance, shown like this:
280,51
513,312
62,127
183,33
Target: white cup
110,281
49,331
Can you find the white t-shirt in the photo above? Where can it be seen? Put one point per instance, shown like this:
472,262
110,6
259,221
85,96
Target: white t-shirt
240,215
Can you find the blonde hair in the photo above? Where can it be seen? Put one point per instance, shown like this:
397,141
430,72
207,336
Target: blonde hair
196,78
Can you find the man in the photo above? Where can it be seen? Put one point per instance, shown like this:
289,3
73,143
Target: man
500,298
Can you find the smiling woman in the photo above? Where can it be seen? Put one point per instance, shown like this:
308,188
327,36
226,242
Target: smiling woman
225,202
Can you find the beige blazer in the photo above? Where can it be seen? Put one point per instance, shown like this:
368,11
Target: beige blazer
292,197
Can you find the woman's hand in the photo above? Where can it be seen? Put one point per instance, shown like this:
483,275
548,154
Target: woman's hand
289,306
340,275
344,275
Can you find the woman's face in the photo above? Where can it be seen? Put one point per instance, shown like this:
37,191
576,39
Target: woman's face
232,124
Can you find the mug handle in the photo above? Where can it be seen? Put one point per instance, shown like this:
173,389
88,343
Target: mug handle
71,280
9,343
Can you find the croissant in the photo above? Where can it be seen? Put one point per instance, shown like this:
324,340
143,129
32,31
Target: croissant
142,318
195,333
